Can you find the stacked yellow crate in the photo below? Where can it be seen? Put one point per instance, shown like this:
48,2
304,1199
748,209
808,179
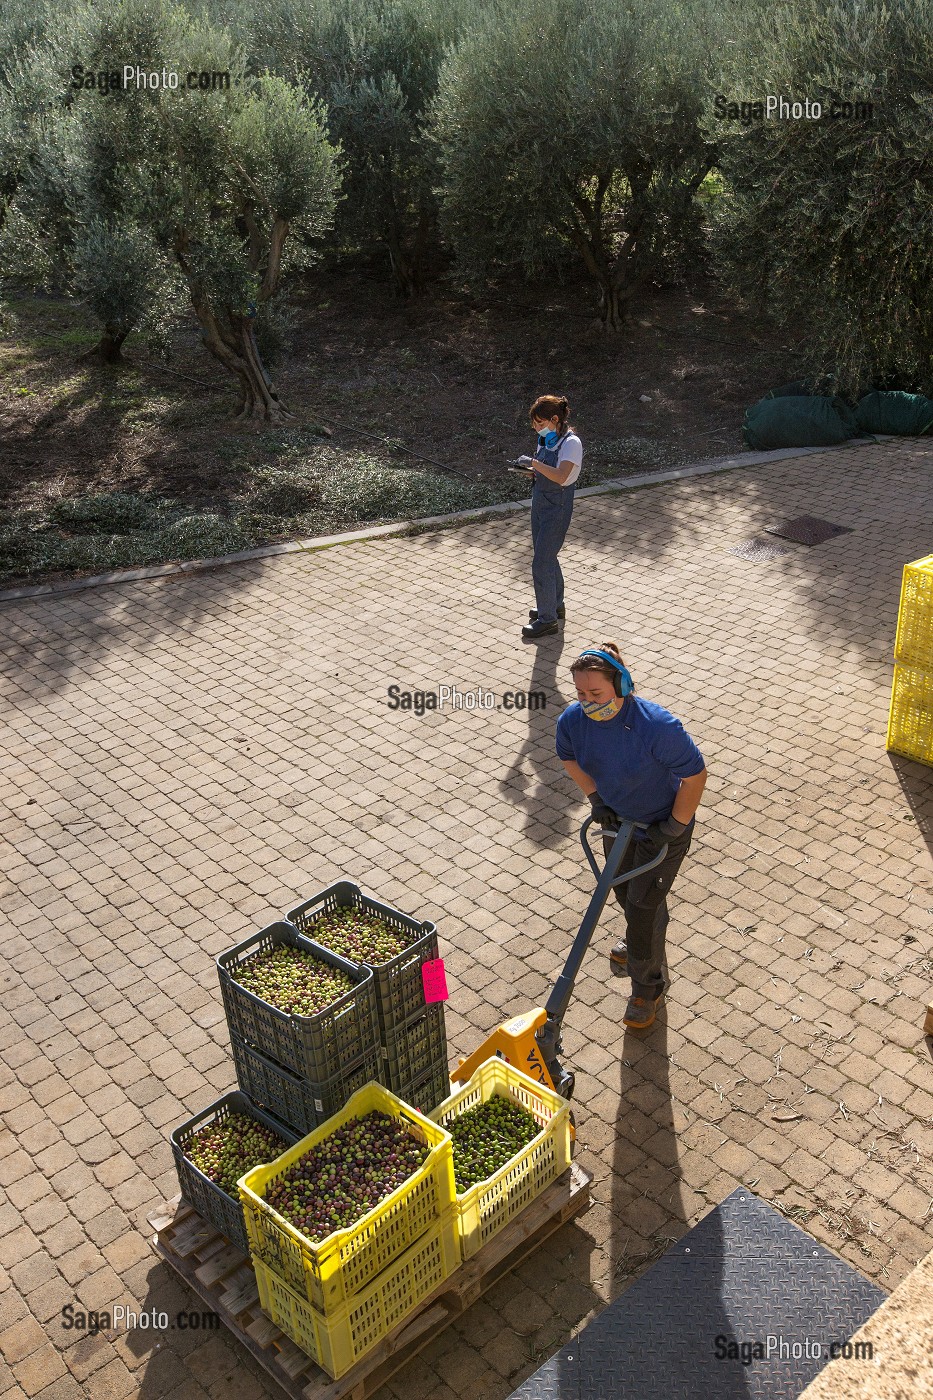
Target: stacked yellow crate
490,1205
336,1299
910,722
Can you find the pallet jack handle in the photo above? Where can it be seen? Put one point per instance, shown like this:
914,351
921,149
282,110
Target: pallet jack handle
607,879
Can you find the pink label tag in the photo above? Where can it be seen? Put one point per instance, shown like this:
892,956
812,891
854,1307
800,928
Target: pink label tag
435,981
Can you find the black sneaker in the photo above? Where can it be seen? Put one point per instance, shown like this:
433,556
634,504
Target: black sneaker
539,629
533,614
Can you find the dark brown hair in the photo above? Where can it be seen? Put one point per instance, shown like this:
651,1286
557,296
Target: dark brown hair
551,406
596,663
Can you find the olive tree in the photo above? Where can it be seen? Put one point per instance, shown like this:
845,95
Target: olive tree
374,65
233,183
69,212
25,86
29,92
574,125
54,237
136,188
825,221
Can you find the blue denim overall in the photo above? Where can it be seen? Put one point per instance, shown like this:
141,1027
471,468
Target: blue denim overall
551,509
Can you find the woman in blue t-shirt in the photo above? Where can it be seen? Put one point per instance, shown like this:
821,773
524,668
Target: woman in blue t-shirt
556,466
634,761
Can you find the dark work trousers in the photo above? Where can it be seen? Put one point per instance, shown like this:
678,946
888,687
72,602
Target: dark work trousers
644,903
551,509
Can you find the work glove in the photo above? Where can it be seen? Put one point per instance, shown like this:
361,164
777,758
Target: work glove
524,461
602,814
660,833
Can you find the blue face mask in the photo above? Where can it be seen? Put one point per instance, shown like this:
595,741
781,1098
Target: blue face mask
549,439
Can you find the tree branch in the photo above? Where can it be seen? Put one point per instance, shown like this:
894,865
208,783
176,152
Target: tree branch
255,236
277,239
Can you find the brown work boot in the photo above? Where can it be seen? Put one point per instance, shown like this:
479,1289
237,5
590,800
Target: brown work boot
640,1012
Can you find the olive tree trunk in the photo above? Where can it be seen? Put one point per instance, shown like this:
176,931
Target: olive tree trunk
228,333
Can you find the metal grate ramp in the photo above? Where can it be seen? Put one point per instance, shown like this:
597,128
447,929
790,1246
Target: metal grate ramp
743,1274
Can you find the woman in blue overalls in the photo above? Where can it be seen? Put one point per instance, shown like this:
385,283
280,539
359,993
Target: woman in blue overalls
556,466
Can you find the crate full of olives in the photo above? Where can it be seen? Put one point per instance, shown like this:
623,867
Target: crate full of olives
353,926
213,1149
299,1004
334,1210
511,1139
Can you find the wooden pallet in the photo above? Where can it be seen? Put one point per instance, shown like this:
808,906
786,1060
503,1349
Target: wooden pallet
224,1279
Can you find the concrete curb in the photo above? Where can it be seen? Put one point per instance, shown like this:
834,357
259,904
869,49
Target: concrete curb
402,527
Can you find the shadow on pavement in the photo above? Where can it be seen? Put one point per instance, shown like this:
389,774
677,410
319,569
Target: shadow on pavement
834,593
521,1321
834,597
916,780
47,638
647,1208
199,1351
547,795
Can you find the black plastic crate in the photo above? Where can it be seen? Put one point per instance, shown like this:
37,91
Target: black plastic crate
415,1048
430,1090
399,988
315,1047
206,1196
301,1103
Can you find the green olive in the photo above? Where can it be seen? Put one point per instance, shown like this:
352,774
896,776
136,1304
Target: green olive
360,936
488,1136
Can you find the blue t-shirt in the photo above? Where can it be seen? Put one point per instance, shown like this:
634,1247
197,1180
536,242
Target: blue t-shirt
636,759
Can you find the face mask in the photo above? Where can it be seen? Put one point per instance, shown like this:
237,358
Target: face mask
595,709
550,439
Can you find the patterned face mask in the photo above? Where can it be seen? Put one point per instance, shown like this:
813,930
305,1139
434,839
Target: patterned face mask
595,709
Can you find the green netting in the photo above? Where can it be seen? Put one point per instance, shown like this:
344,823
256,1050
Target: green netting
892,411
798,421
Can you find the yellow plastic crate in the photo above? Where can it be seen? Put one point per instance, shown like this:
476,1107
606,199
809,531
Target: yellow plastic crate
913,643
336,1342
335,1270
910,721
489,1205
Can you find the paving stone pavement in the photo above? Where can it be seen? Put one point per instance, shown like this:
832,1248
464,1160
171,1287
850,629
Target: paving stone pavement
184,759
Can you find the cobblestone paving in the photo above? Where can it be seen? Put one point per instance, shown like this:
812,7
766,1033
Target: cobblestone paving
181,761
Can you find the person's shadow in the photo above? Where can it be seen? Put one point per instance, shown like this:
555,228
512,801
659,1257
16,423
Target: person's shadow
544,793
668,1301
648,1218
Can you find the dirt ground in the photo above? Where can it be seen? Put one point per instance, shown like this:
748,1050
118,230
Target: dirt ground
450,379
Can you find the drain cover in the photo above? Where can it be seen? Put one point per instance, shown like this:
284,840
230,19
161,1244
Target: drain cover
807,529
743,1277
758,549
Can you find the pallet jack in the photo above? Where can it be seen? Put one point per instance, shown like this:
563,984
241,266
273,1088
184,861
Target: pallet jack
531,1041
